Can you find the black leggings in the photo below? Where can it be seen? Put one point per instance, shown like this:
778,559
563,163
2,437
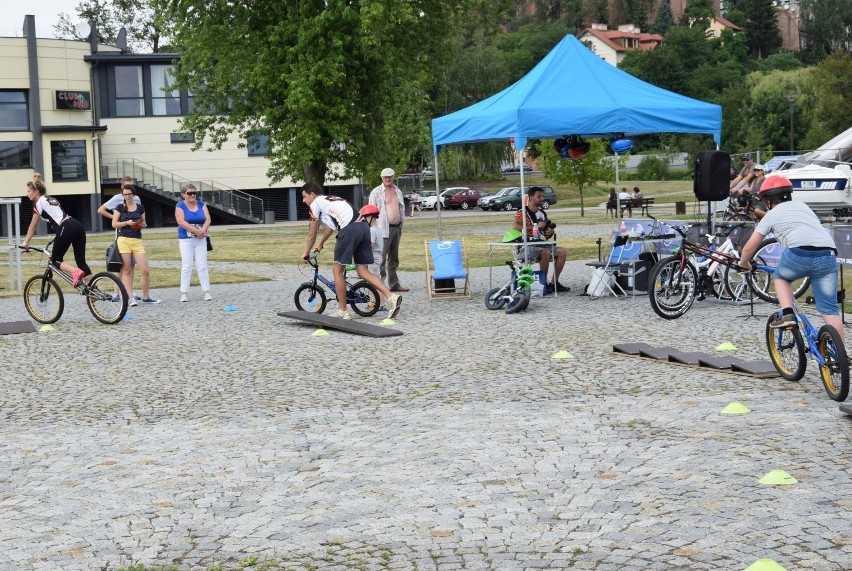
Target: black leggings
72,234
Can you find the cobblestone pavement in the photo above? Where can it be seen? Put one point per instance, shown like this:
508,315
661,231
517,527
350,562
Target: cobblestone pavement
193,436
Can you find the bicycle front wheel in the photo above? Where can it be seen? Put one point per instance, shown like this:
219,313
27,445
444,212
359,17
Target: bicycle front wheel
310,298
497,297
518,301
107,298
672,287
786,350
835,371
363,298
43,299
763,282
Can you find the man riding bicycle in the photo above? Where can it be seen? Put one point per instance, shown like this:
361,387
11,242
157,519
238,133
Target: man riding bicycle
809,250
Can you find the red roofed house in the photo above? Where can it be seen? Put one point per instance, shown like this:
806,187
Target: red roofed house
612,45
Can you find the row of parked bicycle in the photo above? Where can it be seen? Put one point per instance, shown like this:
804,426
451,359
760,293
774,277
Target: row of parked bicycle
695,271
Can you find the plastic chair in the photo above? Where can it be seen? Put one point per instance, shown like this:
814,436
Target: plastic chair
620,262
448,264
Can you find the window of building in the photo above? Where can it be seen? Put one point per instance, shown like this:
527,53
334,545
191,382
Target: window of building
68,161
15,155
129,96
13,111
182,137
165,98
256,145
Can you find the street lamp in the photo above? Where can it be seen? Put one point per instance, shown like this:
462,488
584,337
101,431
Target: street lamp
792,99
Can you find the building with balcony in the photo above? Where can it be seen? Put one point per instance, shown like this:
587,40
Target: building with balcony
85,115
613,45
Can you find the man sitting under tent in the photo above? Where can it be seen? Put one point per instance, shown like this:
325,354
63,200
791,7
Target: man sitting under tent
540,227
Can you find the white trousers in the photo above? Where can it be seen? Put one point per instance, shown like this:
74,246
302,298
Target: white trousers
193,248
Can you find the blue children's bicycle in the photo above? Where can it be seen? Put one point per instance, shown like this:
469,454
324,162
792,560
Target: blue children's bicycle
787,348
310,296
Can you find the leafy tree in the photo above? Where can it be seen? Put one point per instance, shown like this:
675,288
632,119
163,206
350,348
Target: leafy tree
633,12
664,19
652,168
832,106
595,166
145,22
329,82
826,26
761,28
698,14
596,11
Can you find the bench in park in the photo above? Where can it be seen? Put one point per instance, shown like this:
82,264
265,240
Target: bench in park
644,204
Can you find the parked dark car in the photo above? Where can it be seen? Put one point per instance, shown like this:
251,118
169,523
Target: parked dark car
486,201
463,199
516,169
512,199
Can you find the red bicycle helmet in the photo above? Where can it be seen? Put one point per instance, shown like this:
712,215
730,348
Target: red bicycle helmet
369,210
775,186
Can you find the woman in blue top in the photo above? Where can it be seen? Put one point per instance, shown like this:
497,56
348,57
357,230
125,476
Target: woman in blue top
193,221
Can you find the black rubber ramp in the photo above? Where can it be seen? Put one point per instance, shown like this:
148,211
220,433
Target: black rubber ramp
348,325
686,357
722,363
630,348
15,327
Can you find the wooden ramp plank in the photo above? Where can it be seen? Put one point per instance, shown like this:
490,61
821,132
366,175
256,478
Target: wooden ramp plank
756,368
658,353
686,357
723,362
630,348
846,408
15,327
348,325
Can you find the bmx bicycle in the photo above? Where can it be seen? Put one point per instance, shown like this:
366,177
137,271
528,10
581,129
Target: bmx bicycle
310,296
105,294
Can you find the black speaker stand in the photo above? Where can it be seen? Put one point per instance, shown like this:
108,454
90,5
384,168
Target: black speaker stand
750,313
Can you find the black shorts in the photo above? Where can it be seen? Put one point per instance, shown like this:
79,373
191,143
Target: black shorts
353,241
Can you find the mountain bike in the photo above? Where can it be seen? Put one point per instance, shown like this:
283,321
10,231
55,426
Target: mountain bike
515,294
105,294
762,279
787,348
362,296
692,272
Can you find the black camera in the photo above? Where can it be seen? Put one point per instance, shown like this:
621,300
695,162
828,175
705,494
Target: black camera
549,225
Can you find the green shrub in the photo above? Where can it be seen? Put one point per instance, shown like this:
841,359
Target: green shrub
652,168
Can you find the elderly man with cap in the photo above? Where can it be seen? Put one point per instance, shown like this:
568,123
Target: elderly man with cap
387,197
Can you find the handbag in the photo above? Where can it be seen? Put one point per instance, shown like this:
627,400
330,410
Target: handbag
209,244
113,258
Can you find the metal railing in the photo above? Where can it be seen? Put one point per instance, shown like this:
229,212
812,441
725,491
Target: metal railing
169,184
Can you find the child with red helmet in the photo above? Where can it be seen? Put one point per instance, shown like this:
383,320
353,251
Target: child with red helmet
809,250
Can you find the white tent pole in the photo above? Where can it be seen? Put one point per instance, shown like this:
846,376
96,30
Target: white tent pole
435,170
617,189
521,165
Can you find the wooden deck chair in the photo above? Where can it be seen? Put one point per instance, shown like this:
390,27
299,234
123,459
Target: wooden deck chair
448,263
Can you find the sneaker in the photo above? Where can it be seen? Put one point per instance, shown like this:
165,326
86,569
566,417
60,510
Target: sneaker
781,321
207,296
150,300
137,297
383,308
548,290
116,298
77,276
183,298
394,303
132,302
341,314
561,288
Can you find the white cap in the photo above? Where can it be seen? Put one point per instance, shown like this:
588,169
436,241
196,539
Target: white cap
759,167
388,172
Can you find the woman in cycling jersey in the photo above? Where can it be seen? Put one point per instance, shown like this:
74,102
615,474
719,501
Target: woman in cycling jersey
69,232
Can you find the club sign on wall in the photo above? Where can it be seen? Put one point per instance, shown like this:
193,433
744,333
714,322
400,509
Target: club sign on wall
74,100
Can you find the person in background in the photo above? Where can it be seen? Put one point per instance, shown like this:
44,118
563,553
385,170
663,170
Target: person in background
624,202
415,203
388,199
68,230
537,220
353,243
809,250
636,197
106,209
612,202
193,221
129,219
745,175
371,214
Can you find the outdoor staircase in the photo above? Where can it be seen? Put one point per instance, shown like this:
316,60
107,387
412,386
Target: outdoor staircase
228,203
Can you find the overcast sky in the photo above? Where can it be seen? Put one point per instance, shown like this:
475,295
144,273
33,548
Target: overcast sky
46,14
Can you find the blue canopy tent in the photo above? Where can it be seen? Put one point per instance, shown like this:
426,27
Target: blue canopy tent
574,92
